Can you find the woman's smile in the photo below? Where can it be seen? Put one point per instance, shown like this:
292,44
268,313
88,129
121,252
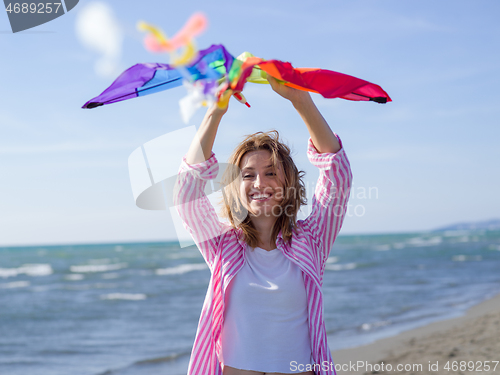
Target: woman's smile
260,197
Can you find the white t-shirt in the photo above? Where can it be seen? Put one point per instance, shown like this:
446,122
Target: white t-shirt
265,318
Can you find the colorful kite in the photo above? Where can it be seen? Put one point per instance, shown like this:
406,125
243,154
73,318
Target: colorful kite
210,73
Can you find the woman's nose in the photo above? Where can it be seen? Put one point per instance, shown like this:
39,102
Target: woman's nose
258,182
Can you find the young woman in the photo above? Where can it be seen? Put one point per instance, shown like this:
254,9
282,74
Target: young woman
263,312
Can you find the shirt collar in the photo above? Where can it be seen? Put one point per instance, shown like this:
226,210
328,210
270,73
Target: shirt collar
241,240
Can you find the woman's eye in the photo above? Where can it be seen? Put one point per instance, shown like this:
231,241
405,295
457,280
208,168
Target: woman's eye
250,176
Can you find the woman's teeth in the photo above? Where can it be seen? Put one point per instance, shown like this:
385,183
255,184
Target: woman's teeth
260,197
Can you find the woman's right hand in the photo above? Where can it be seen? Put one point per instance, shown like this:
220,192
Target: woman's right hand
214,111
223,104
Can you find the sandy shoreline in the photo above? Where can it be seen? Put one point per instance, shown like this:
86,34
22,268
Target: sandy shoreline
474,337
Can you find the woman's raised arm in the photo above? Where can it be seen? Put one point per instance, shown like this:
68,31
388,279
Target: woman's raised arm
321,135
190,200
205,136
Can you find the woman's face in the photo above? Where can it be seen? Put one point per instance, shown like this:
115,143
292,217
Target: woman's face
262,187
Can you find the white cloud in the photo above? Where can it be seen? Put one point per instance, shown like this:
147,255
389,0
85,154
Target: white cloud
99,30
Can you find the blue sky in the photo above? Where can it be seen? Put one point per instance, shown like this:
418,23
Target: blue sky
430,157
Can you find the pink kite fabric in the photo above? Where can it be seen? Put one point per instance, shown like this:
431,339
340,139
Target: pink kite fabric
223,248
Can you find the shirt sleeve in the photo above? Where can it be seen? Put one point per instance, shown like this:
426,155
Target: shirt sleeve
194,208
329,203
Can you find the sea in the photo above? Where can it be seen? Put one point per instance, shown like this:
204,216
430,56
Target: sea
133,308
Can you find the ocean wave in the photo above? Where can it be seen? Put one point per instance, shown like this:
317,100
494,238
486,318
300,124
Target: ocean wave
124,296
74,277
332,260
370,326
15,284
27,269
97,267
141,365
341,267
420,241
183,268
463,258
168,358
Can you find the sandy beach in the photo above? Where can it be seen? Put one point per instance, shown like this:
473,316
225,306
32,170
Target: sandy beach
461,345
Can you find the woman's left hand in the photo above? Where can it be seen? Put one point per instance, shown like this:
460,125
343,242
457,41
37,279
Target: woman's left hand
294,95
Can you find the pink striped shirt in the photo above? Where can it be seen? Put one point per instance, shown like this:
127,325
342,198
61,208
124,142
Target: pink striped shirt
222,247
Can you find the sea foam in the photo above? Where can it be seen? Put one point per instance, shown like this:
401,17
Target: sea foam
183,268
27,269
332,260
341,267
15,284
421,241
124,296
74,277
370,326
98,267
463,258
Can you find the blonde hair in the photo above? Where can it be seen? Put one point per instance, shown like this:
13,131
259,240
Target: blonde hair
294,190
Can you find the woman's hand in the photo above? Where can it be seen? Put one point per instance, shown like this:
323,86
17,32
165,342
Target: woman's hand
322,136
223,96
218,111
297,97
